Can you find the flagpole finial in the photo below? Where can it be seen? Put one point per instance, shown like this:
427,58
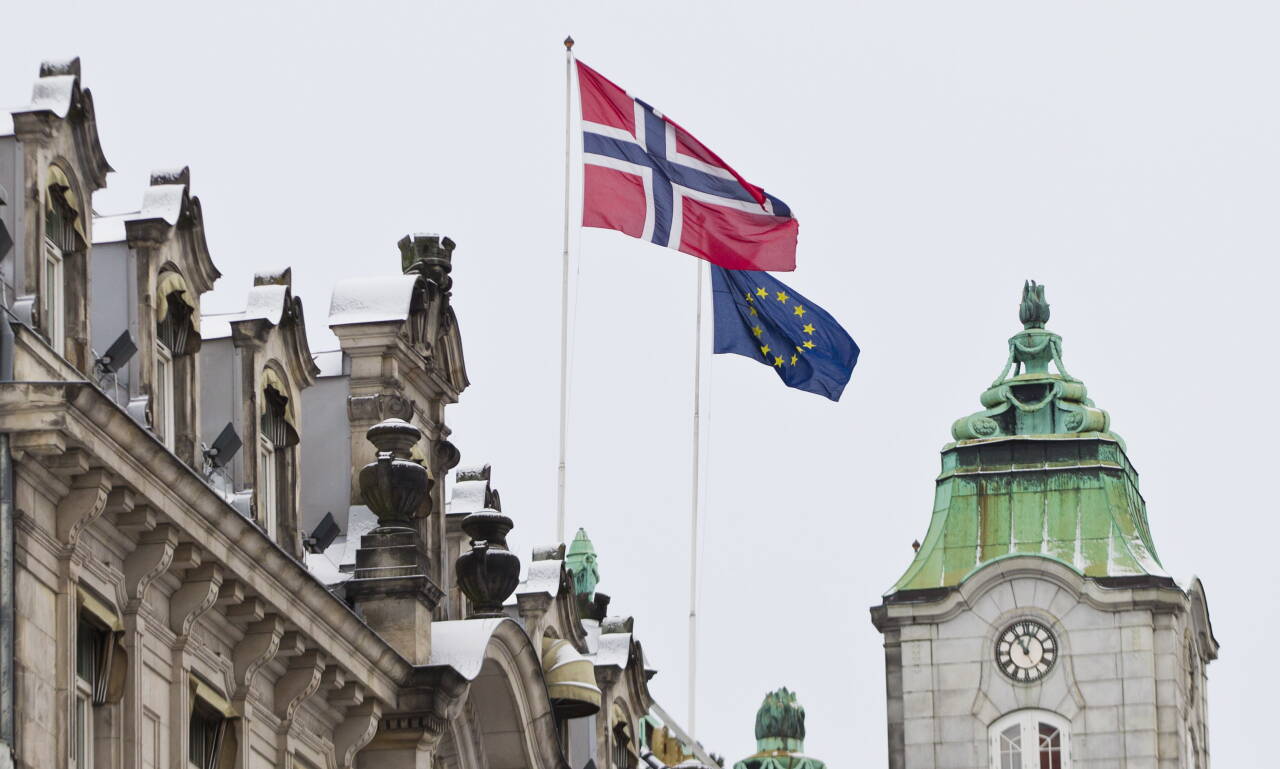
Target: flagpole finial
568,43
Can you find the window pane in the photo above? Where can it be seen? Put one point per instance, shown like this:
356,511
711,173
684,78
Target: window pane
1050,747
204,736
89,641
1011,748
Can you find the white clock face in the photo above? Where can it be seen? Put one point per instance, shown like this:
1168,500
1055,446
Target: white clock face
1026,651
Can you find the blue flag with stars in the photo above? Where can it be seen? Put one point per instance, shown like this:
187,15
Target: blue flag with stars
758,316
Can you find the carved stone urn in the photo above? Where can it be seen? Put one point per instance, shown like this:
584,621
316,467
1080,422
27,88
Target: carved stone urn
489,572
394,486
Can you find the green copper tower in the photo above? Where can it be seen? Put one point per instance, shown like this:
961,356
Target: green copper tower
780,735
1037,472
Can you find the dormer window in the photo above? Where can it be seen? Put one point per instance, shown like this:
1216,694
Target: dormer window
177,335
268,485
52,303
164,395
63,235
277,434
623,751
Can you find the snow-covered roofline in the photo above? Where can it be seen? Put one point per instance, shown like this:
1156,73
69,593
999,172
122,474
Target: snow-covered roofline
381,299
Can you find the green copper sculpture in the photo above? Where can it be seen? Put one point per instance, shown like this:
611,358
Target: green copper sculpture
1033,401
780,735
1037,472
582,564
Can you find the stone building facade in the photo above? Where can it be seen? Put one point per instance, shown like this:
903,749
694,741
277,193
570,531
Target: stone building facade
1036,626
222,550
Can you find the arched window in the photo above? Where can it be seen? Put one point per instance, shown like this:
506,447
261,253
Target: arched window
623,754
277,433
1030,739
62,236
177,335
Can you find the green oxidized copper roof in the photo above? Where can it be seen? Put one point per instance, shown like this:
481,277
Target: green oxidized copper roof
1036,472
581,563
780,735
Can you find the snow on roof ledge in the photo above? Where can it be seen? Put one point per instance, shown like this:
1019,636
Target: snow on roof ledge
461,644
544,577
52,94
110,229
382,299
162,201
265,302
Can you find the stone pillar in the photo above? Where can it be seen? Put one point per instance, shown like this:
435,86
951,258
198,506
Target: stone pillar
392,587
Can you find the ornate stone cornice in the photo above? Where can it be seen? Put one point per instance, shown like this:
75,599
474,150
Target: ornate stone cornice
87,419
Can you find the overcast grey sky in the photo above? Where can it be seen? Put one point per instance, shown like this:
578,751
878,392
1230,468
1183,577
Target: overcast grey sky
1127,154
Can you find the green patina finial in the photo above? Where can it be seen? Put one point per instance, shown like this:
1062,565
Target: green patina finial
582,564
1034,310
780,735
780,721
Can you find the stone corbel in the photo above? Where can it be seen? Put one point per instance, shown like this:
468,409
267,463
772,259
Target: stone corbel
247,611
300,680
349,694
148,561
231,593
257,648
134,521
197,594
355,731
85,502
333,678
39,443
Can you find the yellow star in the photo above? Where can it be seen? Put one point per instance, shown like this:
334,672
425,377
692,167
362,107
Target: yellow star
750,298
782,296
761,292
757,330
793,360
799,348
808,328
809,345
800,310
777,361
764,350
753,311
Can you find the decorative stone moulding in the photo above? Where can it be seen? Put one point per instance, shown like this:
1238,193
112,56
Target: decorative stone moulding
488,573
394,486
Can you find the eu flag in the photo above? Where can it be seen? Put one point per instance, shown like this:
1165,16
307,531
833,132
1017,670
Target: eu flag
758,316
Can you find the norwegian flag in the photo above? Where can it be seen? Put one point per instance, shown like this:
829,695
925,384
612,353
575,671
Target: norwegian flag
649,178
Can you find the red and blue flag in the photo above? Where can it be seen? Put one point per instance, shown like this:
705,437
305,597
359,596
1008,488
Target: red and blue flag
646,176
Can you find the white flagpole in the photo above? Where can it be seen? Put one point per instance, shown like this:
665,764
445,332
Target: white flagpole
693,516
564,291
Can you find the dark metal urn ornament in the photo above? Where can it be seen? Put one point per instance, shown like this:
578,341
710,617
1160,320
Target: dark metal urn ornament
394,486
488,573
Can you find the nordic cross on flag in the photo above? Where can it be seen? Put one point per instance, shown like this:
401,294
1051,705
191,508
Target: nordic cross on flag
649,178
